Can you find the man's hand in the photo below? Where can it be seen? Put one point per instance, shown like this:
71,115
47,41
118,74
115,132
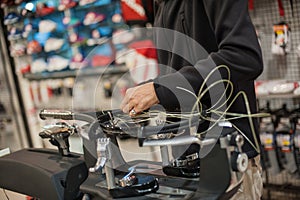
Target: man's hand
139,98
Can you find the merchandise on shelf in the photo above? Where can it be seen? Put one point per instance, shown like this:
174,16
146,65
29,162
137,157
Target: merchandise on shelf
43,9
279,135
117,18
57,63
33,47
133,11
121,56
93,18
142,61
281,39
53,44
27,10
78,62
28,29
66,4
38,65
25,69
62,35
6,3
86,2
99,36
74,38
11,18
17,49
41,37
46,26
14,34
264,88
122,36
71,22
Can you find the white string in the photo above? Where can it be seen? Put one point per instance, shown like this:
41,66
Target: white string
223,115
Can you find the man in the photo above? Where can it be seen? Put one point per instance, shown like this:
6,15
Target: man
224,29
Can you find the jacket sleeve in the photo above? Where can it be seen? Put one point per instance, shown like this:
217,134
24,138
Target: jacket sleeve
236,38
238,48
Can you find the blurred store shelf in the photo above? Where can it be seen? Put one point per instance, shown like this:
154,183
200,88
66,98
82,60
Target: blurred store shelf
278,96
74,73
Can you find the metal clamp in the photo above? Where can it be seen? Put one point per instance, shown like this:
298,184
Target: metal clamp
102,153
58,135
129,179
184,162
192,157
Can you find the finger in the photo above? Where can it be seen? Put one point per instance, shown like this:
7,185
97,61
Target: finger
125,101
127,97
126,108
140,107
129,106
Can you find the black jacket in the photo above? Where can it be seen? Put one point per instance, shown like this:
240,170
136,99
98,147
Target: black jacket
224,29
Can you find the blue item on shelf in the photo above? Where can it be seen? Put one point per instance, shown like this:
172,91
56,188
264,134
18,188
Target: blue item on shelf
41,37
105,31
104,49
71,22
102,2
14,34
27,9
28,29
11,18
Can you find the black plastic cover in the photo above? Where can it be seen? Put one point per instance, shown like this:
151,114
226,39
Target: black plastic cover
43,173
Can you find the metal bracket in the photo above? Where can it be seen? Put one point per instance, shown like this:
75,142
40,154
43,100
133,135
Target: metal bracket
103,154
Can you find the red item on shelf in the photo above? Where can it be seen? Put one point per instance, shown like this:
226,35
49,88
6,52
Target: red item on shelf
133,10
42,9
101,61
33,47
25,69
145,47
